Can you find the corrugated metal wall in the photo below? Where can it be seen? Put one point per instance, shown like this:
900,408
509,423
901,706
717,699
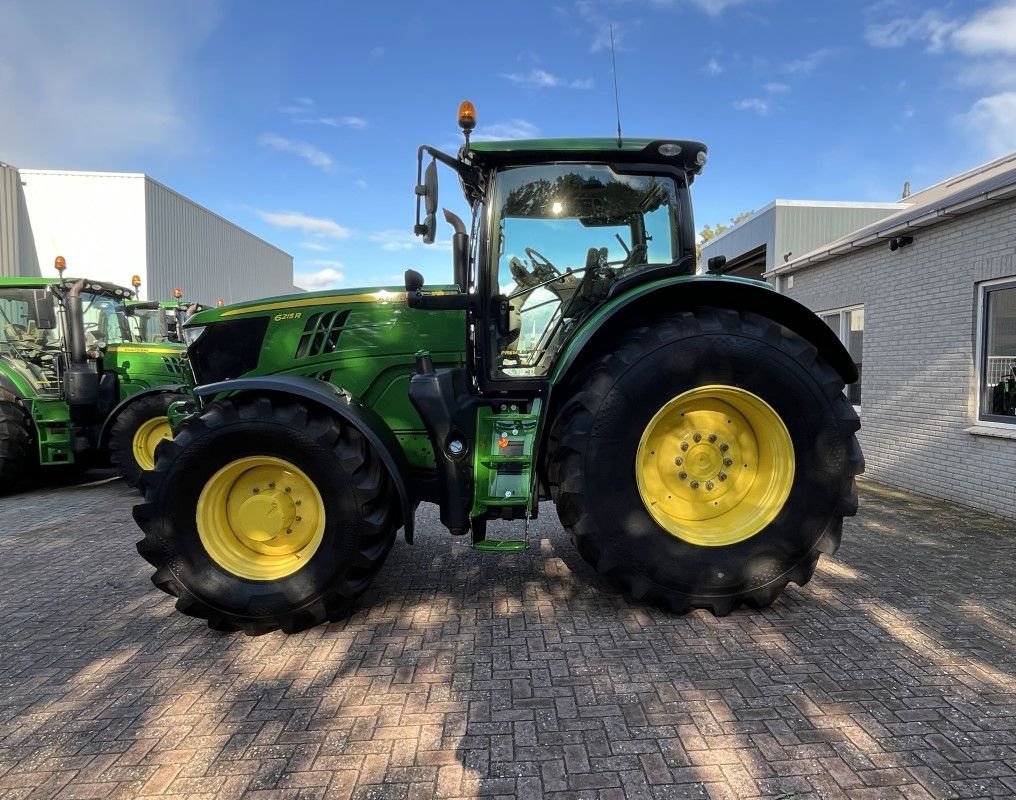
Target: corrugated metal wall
208,257
9,249
794,226
800,229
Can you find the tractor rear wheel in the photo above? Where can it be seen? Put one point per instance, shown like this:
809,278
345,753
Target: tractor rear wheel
264,514
138,430
17,453
707,461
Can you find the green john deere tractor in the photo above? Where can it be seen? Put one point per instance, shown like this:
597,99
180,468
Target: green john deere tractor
76,388
691,430
160,320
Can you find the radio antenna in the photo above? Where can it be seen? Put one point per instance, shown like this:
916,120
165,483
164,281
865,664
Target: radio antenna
617,103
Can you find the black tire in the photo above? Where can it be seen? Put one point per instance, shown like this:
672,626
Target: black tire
594,440
361,515
17,450
127,424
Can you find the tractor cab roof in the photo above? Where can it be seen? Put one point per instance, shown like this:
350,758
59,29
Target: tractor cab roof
687,155
62,286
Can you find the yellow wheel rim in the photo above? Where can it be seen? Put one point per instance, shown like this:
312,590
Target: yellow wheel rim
260,518
147,438
715,465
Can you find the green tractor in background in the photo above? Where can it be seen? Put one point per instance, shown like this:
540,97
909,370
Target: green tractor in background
160,320
76,386
692,430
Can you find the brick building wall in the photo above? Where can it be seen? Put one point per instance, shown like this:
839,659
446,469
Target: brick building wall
919,392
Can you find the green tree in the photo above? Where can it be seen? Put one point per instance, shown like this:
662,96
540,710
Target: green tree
710,232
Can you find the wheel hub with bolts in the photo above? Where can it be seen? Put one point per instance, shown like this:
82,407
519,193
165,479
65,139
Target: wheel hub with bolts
715,465
260,518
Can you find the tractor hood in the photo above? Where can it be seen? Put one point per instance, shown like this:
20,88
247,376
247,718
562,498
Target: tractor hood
296,302
338,335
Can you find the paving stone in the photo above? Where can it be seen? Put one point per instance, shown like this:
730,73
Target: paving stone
891,675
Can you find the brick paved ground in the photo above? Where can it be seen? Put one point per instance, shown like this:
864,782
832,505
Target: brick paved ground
891,675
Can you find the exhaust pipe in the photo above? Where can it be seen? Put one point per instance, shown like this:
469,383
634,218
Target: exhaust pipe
81,383
75,324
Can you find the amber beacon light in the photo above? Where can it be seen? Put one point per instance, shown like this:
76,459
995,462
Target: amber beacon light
467,118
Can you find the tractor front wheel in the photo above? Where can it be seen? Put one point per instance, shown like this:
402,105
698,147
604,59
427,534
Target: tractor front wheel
17,453
264,514
137,431
706,461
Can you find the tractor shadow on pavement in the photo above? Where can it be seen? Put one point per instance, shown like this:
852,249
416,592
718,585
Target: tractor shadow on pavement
463,674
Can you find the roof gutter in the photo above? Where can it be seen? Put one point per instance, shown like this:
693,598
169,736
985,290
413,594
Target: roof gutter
933,217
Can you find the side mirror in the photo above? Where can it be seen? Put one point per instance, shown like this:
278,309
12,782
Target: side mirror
43,309
715,264
433,301
428,192
414,281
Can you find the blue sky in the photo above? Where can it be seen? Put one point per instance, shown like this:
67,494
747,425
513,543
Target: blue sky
300,120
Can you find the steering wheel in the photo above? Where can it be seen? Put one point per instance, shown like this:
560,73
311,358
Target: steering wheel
542,267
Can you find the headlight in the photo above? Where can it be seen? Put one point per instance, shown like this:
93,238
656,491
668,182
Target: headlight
192,333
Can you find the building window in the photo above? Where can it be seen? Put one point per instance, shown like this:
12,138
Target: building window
997,348
848,325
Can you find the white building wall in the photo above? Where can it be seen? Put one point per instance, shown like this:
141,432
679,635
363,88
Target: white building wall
918,384
95,220
206,256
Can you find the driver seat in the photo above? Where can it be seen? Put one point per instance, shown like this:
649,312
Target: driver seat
15,334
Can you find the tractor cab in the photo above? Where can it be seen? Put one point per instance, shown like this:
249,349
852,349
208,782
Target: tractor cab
159,321
31,342
559,227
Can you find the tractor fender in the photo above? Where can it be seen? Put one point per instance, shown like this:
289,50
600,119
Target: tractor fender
10,386
676,294
111,418
14,380
367,421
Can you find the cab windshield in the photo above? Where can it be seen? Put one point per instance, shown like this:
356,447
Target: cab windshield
105,320
149,325
565,234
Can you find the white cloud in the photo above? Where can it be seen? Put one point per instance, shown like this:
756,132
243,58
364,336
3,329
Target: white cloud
319,226
992,120
535,78
361,183
991,32
317,247
776,88
931,26
754,104
303,111
712,67
806,64
590,13
541,79
88,85
358,123
712,7
395,240
326,278
308,152
509,129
